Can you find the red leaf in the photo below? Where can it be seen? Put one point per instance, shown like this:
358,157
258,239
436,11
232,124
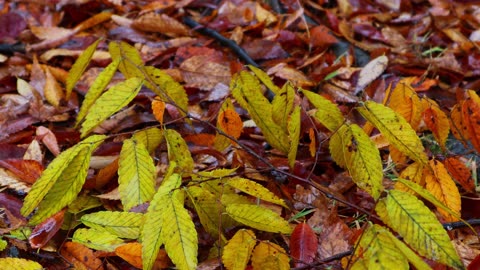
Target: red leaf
43,232
303,244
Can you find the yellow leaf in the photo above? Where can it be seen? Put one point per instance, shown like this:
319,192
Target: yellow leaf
121,224
60,183
255,189
379,251
130,60
247,91
395,129
96,89
53,91
352,149
208,208
441,185
258,217
19,264
98,240
178,151
411,256
79,67
136,174
424,193
158,109
150,137
111,102
153,225
294,128
237,251
436,121
420,228
282,105
327,113
270,256
405,101
169,90
265,79
179,234
414,173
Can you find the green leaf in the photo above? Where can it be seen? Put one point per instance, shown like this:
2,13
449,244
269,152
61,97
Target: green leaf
96,89
67,169
79,67
247,91
154,221
294,128
112,101
351,148
178,151
130,60
180,236
420,228
255,189
136,174
258,217
395,129
67,186
98,240
327,113
150,137
169,90
121,224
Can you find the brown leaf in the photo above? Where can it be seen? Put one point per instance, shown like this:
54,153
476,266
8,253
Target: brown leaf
199,71
49,139
160,23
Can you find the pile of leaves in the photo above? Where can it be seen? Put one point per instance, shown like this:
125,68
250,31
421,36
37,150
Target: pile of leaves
239,134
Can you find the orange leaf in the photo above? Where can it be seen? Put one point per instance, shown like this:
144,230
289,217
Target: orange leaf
441,185
132,253
231,123
405,102
471,115
203,139
106,174
460,172
303,244
436,121
27,170
80,256
458,125
158,108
